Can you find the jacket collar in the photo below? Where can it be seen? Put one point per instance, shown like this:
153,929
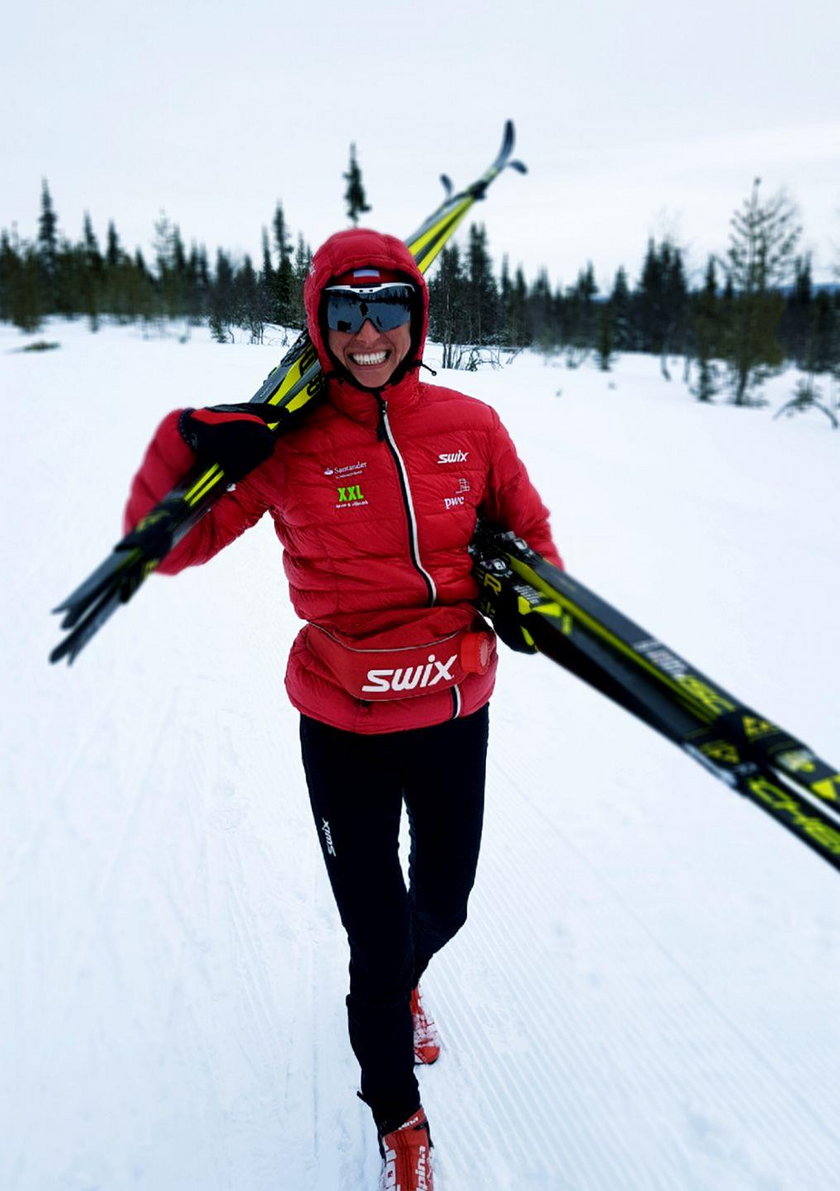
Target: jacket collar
365,405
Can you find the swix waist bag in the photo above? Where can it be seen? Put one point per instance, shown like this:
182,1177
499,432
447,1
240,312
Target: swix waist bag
406,671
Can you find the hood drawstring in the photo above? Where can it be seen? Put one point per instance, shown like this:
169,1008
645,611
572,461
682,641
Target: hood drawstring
428,369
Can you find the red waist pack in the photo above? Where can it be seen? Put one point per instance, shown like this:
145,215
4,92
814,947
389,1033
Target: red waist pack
405,671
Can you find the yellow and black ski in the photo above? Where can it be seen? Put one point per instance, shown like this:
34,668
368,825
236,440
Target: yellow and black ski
536,607
294,387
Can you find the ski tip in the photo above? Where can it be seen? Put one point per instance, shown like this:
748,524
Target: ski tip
63,650
508,140
72,613
73,644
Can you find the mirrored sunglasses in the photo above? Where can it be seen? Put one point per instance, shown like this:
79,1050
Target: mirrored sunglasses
387,306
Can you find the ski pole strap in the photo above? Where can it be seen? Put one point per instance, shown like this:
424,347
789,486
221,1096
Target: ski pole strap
406,671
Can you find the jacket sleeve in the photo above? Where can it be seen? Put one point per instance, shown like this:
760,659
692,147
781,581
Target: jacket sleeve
513,501
167,460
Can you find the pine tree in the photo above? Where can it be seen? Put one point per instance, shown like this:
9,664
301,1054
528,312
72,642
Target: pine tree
91,275
649,301
21,294
581,319
824,338
661,300
762,243
706,332
8,268
513,307
284,276
113,251
605,341
354,195
545,326
222,298
303,259
505,301
47,250
266,281
24,292
171,260
621,306
196,284
518,319
797,318
143,295
114,267
447,306
246,303
676,299
482,295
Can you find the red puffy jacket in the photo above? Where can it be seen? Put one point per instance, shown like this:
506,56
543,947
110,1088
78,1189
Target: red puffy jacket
374,499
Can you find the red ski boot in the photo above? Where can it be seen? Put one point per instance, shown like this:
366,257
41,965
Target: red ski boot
426,1037
408,1156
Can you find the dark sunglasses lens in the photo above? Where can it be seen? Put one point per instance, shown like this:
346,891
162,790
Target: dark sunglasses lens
388,315
347,311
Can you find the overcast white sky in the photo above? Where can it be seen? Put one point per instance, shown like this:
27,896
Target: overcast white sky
635,118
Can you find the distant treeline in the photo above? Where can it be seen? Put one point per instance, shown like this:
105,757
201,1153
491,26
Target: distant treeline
51,275
755,308
753,312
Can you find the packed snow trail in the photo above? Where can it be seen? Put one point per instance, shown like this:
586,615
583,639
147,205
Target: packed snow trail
645,994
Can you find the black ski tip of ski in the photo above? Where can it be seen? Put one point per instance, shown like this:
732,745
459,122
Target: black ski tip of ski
86,593
87,609
107,575
508,140
75,641
64,649
478,190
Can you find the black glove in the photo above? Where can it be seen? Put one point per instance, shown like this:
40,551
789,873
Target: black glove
153,533
504,601
234,436
152,536
506,614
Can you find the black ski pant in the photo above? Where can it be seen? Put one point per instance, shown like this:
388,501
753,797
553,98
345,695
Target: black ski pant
357,786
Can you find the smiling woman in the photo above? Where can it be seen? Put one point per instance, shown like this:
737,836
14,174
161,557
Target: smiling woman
375,498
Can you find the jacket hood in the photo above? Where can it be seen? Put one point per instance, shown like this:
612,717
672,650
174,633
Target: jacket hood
353,249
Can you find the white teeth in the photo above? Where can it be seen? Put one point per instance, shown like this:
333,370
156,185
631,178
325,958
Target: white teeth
370,358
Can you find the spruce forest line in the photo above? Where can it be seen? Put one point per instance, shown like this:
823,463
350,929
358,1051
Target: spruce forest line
755,311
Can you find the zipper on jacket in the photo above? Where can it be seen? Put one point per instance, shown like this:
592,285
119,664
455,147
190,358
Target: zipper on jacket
385,434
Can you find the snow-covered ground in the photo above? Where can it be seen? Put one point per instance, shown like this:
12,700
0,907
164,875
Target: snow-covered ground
645,996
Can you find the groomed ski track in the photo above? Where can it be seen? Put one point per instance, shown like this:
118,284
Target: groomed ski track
645,996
